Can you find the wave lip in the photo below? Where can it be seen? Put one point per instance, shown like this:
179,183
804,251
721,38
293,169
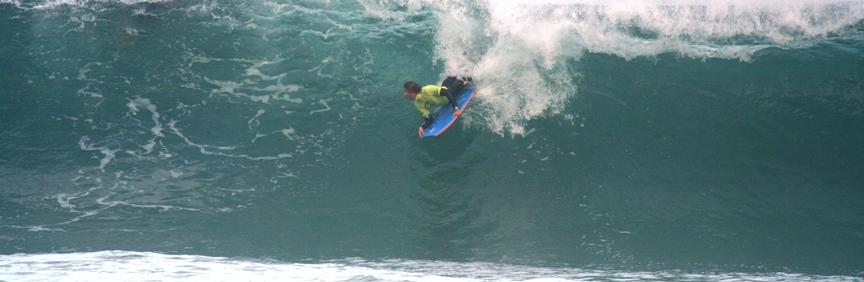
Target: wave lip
524,54
147,266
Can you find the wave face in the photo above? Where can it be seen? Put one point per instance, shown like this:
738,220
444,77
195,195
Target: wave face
641,139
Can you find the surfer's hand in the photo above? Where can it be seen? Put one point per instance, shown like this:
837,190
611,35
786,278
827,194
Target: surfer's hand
458,112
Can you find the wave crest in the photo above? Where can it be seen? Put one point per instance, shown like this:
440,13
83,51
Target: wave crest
520,51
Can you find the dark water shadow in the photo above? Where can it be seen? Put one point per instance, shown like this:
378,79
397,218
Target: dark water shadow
446,224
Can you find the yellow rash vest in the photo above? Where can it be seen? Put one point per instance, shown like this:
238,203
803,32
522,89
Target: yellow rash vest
428,98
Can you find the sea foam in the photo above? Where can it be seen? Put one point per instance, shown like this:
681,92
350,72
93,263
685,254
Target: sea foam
522,52
146,266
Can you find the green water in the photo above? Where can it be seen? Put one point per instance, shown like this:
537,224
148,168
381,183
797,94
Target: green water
276,131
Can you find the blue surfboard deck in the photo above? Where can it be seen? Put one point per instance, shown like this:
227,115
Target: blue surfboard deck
445,117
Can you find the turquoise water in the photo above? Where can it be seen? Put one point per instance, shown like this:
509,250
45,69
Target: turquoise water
666,140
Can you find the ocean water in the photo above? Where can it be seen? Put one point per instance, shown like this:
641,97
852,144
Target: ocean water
680,140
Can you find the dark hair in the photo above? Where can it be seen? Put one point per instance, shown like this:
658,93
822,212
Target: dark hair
412,87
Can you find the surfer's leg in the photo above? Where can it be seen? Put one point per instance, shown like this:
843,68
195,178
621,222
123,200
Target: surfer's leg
451,97
454,87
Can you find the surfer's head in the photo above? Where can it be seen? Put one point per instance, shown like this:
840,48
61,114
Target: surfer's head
411,90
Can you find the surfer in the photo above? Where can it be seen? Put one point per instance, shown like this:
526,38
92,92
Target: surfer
430,96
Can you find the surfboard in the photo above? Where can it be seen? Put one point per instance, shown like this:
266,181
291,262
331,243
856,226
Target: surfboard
445,117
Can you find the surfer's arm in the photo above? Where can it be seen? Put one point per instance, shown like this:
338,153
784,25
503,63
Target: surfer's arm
422,107
427,121
426,112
